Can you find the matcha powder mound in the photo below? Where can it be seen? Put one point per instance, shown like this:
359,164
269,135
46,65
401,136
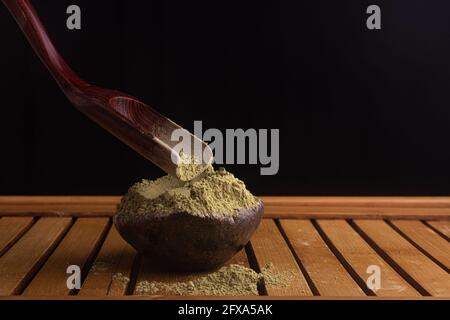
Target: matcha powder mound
213,193
233,279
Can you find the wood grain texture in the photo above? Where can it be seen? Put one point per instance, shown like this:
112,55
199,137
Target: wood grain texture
115,257
442,226
362,202
319,212
325,270
405,269
11,229
426,239
430,208
240,258
148,271
359,255
229,298
76,248
269,246
23,260
428,275
109,203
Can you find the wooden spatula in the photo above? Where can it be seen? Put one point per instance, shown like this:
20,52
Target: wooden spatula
132,121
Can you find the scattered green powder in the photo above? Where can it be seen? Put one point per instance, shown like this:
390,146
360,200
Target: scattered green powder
189,167
121,279
100,266
276,279
211,194
233,279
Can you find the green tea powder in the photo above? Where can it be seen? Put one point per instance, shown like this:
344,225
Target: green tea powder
189,167
214,193
233,279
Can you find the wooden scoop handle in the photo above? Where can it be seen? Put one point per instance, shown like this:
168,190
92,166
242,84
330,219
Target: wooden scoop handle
135,123
28,20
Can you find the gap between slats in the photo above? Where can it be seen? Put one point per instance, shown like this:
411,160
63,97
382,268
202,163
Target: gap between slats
389,260
348,266
356,255
439,258
398,262
307,277
19,284
38,285
327,274
114,256
441,227
93,255
47,256
269,246
342,260
140,266
254,264
11,234
251,258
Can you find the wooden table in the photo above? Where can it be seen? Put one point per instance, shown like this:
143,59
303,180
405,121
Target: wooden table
330,245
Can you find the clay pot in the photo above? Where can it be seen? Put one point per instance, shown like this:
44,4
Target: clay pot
184,242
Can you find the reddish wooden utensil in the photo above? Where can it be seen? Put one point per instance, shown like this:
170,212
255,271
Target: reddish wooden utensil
135,123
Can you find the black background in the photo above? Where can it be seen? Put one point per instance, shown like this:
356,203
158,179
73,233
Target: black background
360,112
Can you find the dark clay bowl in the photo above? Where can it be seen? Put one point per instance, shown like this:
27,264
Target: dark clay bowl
185,242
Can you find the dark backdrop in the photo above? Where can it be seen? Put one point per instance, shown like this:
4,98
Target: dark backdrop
360,112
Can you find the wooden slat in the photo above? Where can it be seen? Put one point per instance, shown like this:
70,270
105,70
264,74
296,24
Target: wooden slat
325,270
148,272
22,261
269,246
441,226
115,257
428,275
361,202
319,212
430,208
108,203
240,258
77,248
275,212
359,255
427,239
58,204
11,229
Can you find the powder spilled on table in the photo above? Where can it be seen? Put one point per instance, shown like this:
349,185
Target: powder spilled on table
232,279
121,279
